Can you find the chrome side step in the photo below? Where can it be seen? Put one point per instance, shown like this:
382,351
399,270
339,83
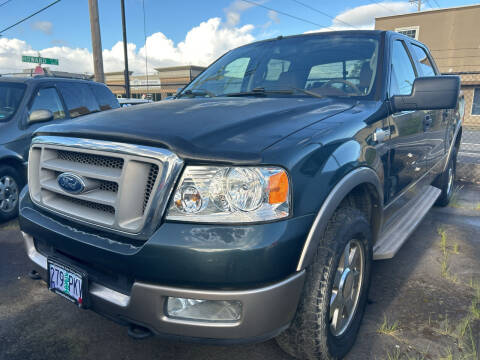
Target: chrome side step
393,237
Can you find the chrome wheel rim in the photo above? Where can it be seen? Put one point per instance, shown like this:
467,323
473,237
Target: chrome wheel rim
450,180
8,194
347,287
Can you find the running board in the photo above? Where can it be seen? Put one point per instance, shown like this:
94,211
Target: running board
392,238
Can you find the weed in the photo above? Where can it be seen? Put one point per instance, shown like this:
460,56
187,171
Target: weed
455,249
395,356
475,308
449,355
388,329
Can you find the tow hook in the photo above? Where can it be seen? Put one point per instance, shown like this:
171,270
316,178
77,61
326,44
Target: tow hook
138,332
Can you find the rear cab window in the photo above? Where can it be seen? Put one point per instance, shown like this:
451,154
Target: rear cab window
79,98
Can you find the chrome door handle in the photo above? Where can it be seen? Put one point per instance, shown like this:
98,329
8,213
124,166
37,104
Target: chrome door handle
380,135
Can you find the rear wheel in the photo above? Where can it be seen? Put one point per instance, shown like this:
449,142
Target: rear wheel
446,181
10,183
335,292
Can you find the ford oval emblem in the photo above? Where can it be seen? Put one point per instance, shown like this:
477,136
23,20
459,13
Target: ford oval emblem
71,183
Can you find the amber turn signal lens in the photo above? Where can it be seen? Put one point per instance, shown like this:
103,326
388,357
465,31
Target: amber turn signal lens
278,188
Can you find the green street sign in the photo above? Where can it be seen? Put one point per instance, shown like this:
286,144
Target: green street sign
39,60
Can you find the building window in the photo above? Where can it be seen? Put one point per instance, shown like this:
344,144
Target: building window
476,102
411,31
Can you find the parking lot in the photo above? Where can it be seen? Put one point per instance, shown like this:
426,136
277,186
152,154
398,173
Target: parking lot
423,304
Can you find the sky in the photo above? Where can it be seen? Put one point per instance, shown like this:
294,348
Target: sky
176,32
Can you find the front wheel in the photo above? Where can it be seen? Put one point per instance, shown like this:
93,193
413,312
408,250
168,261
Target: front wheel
335,292
9,192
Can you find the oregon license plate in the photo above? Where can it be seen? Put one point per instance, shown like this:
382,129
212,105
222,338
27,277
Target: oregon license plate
67,282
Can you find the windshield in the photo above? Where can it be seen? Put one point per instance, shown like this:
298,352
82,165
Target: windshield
323,65
10,96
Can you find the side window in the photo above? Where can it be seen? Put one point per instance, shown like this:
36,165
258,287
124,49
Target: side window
423,62
48,99
403,74
105,98
78,98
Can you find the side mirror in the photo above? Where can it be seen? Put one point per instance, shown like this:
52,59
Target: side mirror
429,93
40,116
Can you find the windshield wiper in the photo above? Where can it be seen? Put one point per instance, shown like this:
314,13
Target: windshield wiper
262,91
195,93
258,92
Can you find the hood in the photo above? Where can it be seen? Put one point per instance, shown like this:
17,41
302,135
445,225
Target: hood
222,130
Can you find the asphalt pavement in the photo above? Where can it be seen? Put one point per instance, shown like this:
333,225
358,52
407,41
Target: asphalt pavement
422,304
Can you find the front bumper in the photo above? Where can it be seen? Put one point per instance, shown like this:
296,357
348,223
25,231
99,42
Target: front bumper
266,311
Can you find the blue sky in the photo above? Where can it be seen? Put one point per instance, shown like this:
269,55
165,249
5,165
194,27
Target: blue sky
66,24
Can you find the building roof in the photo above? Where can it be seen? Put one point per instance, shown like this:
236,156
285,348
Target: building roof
183,67
429,11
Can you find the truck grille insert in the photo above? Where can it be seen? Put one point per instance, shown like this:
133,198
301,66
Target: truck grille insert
125,188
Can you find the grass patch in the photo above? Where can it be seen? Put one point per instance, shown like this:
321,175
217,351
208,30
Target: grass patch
388,329
444,266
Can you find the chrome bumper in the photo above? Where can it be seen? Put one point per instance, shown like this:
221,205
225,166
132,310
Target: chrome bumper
265,311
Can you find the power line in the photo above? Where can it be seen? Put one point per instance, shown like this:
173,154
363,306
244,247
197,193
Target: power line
379,4
323,13
5,2
436,3
28,17
286,14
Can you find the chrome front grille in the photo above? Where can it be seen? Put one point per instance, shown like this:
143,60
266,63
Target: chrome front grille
128,185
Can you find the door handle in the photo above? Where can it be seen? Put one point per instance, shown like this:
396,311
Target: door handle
380,135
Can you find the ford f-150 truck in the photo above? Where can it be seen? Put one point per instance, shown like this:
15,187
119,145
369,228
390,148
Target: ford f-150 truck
253,204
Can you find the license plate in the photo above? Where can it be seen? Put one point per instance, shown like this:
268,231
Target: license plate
67,282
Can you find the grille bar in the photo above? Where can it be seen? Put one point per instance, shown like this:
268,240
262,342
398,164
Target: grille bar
123,192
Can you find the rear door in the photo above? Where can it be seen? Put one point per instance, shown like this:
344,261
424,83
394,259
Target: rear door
407,138
434,121
79,98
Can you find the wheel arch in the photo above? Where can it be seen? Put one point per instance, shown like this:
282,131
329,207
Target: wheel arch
15,162
360,188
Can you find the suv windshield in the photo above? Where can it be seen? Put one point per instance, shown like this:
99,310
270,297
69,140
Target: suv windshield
10,96
322,65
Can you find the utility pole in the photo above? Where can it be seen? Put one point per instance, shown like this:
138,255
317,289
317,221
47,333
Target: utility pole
96,41
125,53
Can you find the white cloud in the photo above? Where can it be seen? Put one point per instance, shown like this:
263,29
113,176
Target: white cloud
234,11
202,44
44,26
363,17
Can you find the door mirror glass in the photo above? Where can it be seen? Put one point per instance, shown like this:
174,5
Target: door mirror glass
40,116
429,93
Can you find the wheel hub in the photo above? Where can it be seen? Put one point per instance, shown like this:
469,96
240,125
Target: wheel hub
346,287
8,194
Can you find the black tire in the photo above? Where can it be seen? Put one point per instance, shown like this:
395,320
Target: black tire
11,191
310,335
446,181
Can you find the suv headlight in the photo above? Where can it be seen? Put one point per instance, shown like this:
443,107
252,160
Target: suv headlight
231,195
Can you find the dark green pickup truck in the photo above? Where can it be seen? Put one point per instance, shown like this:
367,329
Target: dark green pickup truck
253,204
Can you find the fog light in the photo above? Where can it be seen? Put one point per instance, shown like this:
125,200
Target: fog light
204,310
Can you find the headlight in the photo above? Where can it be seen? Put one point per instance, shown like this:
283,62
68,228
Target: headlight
231,194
